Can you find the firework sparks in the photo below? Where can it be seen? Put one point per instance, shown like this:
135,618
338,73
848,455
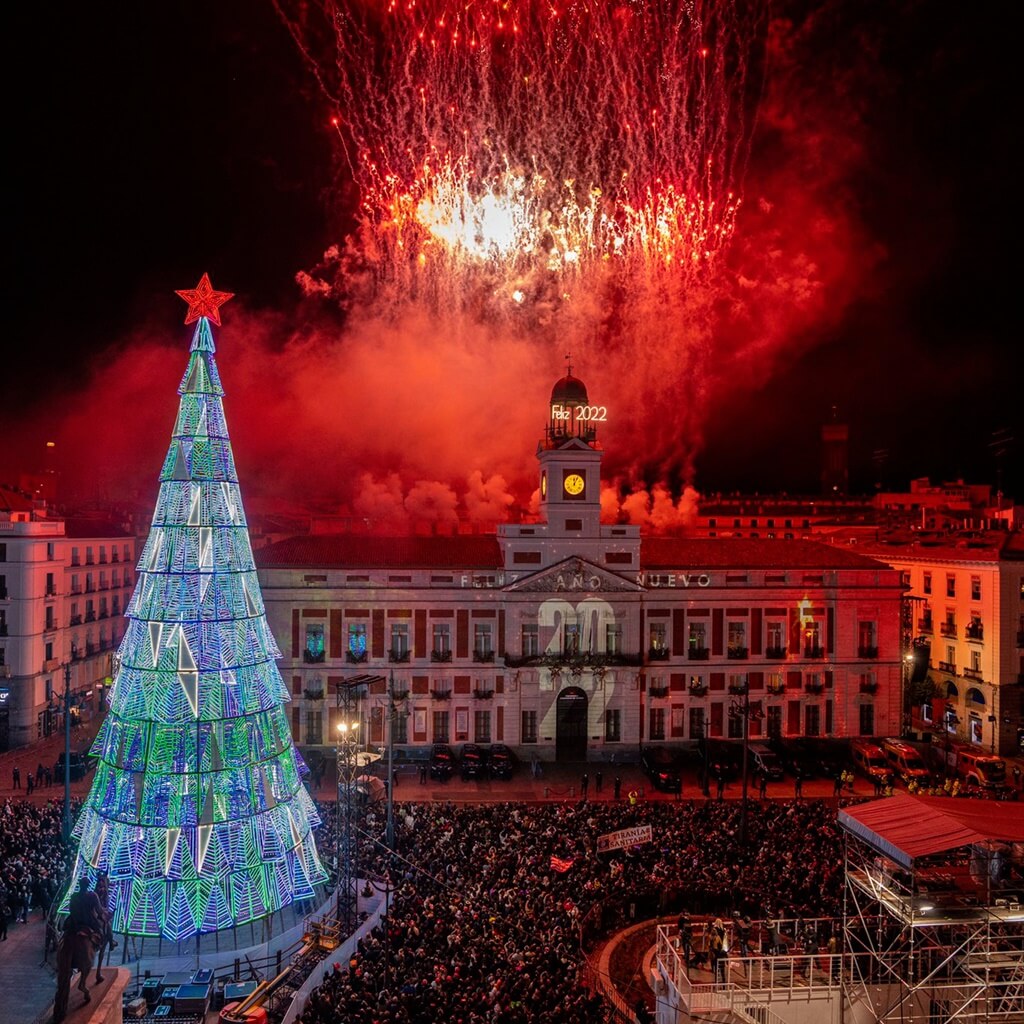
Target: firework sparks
505,142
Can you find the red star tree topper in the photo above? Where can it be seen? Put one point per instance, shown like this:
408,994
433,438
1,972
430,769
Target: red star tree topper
204,301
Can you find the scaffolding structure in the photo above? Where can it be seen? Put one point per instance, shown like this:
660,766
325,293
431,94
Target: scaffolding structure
935,936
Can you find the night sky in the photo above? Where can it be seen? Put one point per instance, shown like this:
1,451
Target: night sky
154,142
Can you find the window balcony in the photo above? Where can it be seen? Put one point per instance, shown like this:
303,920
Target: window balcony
925,626
355,657
657,654
51,591
775,652
975,631
90,616
75,560
658,691
811,651
91,649
973,673
698,690
698,654
483,656
75,620
948,629
50,626
314,657
867,652
483,694
441,694
441,656
114,557
948,666
868,687
737,653
775,689
814,687
399,657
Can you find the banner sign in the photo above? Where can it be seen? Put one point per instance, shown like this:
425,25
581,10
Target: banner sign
624,837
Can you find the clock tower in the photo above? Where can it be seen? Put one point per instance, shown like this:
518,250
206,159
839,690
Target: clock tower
570,460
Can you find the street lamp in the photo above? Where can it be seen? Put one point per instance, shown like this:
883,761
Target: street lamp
66,821
741,709
344,851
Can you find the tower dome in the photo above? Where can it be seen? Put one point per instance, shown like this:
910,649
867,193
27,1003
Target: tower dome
569,390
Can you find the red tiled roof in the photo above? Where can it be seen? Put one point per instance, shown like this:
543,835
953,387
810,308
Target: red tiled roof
740,553
483,552
356,552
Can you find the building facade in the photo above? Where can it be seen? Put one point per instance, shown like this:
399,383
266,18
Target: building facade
64,585
966,594
568,638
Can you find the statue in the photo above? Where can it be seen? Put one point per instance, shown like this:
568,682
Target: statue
107,942
83,933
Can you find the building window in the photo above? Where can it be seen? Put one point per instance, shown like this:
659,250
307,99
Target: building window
440,724
48,651
735,727
3,655
867,640
613,638
927,585
612,725
696,723
905,579
3,552
482,640
678,721
529,727
400,727
357,639
482,726
657,718
50,621
812,720
867,720
737,644
976,661
657,635
314,649
812,639
442,639
314,726
975,724
399,640
774,722
529,641
950,585
696,639
975,588
572,638
776,634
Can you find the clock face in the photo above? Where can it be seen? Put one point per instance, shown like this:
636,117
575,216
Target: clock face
573,485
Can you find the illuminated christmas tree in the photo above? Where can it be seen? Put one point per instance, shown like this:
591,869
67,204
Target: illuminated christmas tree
198,813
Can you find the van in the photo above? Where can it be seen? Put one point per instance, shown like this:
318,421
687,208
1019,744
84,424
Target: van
869,759
984,770
905,762
764,762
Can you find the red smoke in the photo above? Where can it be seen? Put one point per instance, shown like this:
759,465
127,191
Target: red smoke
409,412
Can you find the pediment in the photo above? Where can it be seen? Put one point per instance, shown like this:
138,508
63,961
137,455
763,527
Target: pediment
574,576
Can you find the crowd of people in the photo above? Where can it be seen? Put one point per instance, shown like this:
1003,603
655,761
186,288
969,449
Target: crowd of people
494,906
33,858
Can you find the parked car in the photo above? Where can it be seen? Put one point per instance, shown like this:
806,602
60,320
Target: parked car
826,758
794,760
442,762
662,767
80,766
503,761
473,763
763,762
722,758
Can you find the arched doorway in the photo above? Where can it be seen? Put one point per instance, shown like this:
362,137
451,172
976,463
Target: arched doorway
571,725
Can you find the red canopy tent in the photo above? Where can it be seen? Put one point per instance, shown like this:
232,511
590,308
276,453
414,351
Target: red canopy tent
905,827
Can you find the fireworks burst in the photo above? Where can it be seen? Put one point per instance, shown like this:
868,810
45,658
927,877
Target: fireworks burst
517,151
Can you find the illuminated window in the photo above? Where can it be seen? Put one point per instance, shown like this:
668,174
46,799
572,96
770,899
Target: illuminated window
357,640
572,638
399,639
697,637
314,649
482,639
442,638
658,636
